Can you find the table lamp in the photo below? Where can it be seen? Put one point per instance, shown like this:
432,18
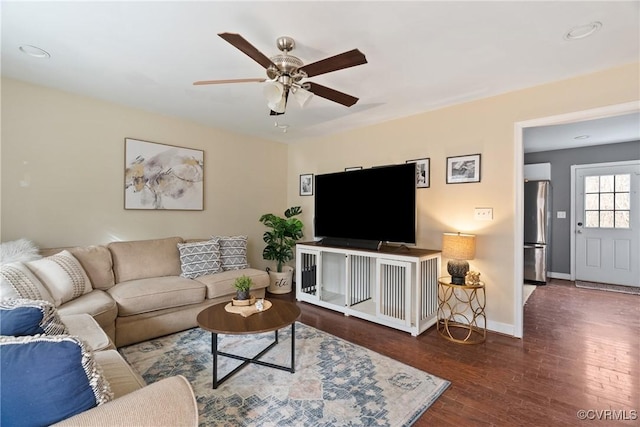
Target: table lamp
458,248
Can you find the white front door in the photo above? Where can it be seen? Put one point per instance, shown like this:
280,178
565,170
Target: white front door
607,228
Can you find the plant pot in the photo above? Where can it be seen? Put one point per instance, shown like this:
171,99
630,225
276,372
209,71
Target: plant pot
242,295
280,283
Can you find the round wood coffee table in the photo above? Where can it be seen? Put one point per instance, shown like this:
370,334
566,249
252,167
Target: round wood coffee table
217,320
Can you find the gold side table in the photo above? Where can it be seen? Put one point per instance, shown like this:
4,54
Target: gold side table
461,316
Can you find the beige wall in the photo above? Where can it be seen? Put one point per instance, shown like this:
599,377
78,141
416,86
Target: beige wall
70,151
486,127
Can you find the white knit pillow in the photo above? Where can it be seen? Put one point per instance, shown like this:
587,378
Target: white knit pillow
63,276
17,281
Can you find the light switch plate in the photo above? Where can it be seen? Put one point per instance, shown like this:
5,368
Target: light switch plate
483,214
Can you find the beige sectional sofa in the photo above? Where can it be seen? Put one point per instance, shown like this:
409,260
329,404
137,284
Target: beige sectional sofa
168,402
138,292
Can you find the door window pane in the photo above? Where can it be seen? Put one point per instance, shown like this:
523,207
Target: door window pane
591,202
592,219
606,184
622,219
592,184
623,183
622,201
607,201
606,219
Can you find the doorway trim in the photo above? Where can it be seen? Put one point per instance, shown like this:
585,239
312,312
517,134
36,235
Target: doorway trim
572,228
518,220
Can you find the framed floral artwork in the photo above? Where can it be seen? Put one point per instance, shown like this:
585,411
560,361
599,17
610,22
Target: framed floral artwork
162,177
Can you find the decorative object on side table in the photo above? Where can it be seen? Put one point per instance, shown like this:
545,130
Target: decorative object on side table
280,240
472,278
243,287
458,248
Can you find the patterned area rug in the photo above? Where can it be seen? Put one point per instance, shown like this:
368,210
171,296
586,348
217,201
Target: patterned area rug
607,287
336,383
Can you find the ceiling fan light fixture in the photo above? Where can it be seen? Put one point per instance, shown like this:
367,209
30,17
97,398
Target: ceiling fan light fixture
278,106
273,91
302,96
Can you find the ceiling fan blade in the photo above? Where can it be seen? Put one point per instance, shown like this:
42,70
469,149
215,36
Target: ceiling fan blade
344,60
332,94
218,82
240,43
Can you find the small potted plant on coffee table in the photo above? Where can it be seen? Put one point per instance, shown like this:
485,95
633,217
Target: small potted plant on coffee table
243,287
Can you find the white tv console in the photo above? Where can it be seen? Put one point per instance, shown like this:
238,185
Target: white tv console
393,286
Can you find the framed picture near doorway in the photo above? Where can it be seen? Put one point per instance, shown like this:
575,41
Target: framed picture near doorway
463,169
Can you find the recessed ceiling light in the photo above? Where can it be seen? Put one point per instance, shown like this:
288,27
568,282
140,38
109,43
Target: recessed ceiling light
582,137
34,51
583,31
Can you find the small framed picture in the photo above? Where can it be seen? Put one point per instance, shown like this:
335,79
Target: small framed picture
422,172
354,168
306,184
462,169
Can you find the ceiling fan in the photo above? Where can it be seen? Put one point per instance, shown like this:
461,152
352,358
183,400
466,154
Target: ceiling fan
285,73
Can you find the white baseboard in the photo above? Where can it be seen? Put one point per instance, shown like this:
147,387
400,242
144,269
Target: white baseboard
502,328
562,276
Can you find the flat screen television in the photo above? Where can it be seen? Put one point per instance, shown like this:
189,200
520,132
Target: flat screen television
377,204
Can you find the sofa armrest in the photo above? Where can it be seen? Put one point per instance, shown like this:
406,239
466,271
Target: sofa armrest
168,402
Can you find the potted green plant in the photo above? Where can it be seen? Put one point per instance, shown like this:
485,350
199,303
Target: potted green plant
243,286
281,238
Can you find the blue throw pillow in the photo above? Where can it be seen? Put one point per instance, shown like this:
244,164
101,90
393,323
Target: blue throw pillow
20,317
46,379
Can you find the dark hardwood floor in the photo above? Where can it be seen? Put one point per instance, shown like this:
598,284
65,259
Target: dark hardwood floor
580,351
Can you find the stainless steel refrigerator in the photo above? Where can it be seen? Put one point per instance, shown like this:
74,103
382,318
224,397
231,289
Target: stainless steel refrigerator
537,221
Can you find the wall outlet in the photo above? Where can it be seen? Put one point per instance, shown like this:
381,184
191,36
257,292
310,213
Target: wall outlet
562,214
483,214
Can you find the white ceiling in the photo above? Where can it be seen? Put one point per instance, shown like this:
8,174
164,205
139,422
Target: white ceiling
422,55
607,130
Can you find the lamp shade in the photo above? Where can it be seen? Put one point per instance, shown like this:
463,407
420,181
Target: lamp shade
302,96
278,107
458,246
273,91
